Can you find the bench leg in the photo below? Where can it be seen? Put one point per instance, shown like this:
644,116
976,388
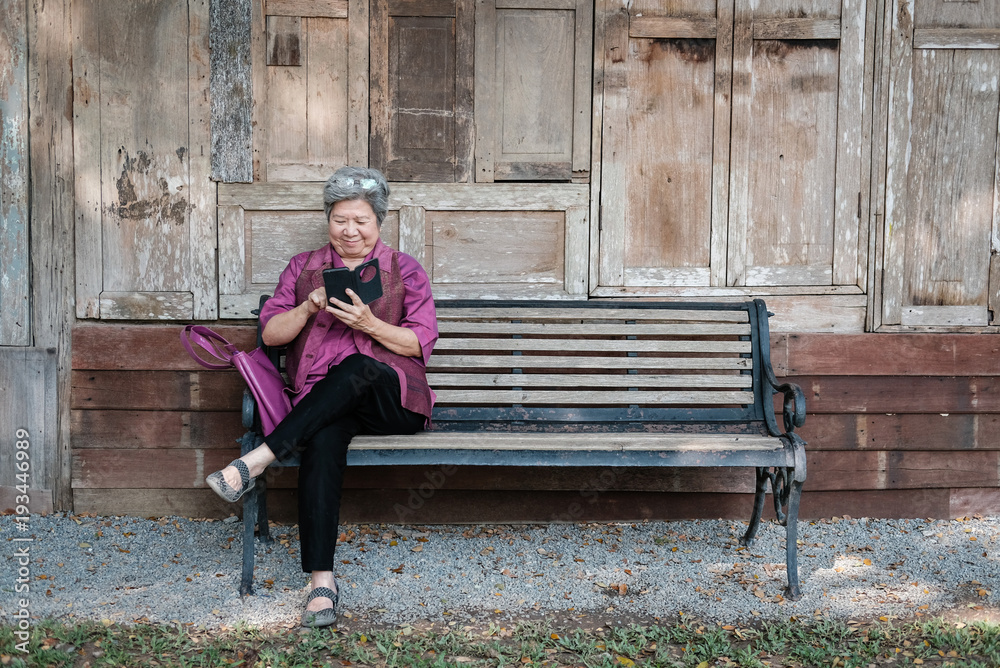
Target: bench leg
250,503
250,500
758,506
792,540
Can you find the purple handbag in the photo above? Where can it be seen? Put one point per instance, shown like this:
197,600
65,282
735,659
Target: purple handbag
264,381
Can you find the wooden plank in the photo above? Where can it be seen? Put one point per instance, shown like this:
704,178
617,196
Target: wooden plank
52,212
412,232
333,9
742,124
590,329
968,502
994,279
15,266
232,251
28,413
593,255
551,314
900,394
357,83
491,380
850,143
145,502
284,41
913,469
672,27
483,250
900,112
422,98
485,103
39,500
955,38
792,156
145,159
583,45
465,82
542,397
423,8
86,160
443,360
945,316
588,345
326,90
722,127
157,390
893,355
150,305
231,91
570,442
259,74
534,76
537,4
144,347
577,253
796,28
951,214
203,282
176,468
906,431
441,197
155,429
379,95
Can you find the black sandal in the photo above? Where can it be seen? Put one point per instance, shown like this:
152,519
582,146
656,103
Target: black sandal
325,617
222,488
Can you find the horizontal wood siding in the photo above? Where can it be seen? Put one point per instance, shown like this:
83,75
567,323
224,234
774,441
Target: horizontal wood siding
899,425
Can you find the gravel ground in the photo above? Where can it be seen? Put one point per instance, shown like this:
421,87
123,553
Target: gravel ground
128,570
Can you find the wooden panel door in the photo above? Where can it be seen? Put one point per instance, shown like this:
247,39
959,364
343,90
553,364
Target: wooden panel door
533,66
665,145
795,196
145,230
732,146
942,210
310,65
421,95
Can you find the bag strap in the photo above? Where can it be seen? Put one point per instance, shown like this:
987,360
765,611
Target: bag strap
217,347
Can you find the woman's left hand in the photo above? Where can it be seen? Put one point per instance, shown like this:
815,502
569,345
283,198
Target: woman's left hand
356,315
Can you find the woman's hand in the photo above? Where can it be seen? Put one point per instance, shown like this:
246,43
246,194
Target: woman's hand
357,315
316,301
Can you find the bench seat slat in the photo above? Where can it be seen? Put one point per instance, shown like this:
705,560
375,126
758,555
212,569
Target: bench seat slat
430,440
697,347
443,360
488,380
570,313
555,397
594,329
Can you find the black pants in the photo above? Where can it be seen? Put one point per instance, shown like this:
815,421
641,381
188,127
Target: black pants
358,396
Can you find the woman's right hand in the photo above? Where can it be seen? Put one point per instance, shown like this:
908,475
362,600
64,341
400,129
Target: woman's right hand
316,301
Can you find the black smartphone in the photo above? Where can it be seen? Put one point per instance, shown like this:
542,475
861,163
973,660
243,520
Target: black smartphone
365,280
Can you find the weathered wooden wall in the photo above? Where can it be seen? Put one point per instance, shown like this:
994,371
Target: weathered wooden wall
898,426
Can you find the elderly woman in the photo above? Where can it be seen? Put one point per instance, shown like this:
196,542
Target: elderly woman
354,368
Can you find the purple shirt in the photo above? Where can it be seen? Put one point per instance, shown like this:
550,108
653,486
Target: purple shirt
338,343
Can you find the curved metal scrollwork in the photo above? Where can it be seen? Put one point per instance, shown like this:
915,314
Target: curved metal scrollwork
781,489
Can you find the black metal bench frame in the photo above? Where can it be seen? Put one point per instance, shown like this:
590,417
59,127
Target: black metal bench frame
782,469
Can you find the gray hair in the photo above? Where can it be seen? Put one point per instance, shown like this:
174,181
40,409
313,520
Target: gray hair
348,183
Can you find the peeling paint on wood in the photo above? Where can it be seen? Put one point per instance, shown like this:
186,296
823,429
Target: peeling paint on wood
15,327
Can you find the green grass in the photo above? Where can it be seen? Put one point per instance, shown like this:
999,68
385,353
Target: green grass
687,644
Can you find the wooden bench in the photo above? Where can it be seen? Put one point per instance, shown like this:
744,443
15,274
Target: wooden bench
605,384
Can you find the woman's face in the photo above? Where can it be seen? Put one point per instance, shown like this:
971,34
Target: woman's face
353,230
